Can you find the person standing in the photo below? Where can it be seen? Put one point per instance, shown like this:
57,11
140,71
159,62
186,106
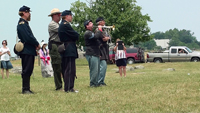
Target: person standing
30,46
120,58
104,50
69,37
92,53
46,68
54,42
5,59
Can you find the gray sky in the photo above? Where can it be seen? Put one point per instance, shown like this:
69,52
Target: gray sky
166,14
170,14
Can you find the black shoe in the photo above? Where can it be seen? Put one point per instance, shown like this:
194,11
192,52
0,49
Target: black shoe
94,86
27,92
58,89
103,84
73,90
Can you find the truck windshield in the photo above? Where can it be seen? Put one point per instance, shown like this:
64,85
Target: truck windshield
190,51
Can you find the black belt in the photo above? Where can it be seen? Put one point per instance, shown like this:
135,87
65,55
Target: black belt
54,42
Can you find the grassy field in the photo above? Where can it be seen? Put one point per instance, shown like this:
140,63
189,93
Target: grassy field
146,90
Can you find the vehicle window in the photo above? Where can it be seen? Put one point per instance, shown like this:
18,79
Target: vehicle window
180,51
173,50
131,50
189,50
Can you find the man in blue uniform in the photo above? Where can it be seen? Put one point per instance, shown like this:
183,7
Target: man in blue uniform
104,50
69,37
92,52
30,46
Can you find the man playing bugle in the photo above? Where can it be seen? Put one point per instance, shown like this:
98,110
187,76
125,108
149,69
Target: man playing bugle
104,50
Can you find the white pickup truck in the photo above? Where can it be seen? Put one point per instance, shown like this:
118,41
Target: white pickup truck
174,54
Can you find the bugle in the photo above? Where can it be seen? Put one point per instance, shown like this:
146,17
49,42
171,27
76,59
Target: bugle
108,27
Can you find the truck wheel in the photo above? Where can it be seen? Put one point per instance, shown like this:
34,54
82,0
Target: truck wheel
130,61
195,59
157,60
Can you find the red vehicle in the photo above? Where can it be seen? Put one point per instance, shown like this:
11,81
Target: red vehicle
133,55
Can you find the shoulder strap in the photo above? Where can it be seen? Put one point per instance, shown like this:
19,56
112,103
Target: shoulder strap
17,38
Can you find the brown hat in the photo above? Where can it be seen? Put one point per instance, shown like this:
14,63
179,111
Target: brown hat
54,11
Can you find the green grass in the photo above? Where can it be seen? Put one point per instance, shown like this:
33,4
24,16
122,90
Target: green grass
146,90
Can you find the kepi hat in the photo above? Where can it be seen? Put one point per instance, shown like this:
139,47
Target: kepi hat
87,22
55,11
24,9
99,19
66,12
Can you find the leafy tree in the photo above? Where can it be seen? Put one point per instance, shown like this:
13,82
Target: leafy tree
158,48
130,25
158,35
186,36
193,45
149,44
81,12
178,38
174,42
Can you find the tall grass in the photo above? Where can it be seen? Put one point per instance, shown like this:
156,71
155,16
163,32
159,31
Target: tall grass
146,90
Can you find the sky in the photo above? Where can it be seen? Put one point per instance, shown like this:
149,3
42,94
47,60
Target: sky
165,15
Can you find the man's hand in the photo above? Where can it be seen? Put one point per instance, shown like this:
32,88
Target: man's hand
38,47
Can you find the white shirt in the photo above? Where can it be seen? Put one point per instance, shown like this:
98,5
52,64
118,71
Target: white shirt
120,54
4,57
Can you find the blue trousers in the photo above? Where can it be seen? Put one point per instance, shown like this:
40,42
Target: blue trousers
69,72
94,66
27,69
102,74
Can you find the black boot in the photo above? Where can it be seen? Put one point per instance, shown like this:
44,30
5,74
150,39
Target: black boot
26,85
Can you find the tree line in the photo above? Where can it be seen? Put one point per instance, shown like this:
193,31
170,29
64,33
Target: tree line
177,38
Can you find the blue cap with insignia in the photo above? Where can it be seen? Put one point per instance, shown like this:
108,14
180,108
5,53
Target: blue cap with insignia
24,9
87,22
66,12
99,19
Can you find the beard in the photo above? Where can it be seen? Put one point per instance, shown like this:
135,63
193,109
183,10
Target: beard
29,18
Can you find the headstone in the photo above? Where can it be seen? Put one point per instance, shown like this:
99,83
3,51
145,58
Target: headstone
169,69
129,68
139,67
16,70
81,54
